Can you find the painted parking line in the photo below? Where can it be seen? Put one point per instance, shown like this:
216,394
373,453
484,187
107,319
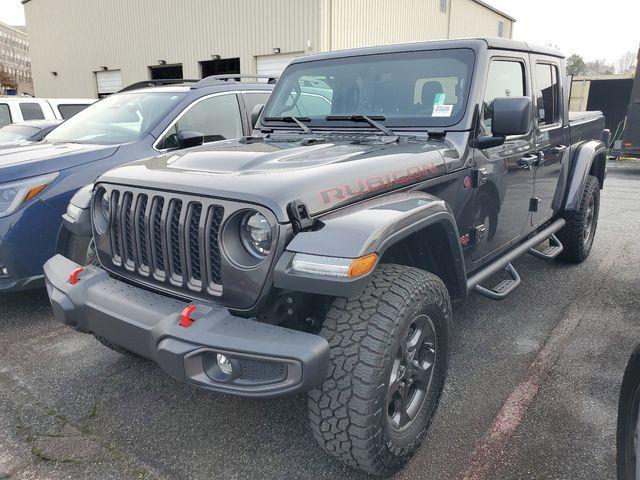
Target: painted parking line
489,449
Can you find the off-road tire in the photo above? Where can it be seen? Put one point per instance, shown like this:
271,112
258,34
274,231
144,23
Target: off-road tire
628,408
349,412
115,347
572,235
77,249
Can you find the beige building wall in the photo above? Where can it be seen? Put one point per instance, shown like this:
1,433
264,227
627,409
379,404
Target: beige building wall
75,38
362,23
472,19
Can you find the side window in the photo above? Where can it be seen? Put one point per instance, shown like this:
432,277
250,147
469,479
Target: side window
69,110
253,99
31,111
505,79
547,94
217,118
5,115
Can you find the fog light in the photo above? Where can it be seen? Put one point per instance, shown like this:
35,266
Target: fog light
4,271
224,364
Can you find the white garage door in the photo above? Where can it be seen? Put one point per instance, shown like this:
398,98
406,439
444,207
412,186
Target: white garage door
273,65
109,81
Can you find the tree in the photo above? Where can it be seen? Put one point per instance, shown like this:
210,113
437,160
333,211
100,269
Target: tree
575,65
598,67
7,80
626,63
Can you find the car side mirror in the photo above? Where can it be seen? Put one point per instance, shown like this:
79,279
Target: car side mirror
187,139
511,116
256,111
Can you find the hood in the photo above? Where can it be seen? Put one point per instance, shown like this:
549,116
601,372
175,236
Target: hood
273,173
39,158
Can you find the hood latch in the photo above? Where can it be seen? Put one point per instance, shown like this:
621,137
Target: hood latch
299,216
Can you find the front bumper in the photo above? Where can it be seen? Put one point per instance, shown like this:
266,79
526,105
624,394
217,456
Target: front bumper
267,360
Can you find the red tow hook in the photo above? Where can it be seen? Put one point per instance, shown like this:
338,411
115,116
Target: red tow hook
73,276
185,316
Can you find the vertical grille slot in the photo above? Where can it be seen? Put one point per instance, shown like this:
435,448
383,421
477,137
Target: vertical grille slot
115,226
175,209
127,228
156,235
216,214
141,231
193,241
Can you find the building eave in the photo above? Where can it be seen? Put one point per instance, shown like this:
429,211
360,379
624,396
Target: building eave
480,2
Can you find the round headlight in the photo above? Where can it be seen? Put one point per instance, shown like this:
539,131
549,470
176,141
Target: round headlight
255,233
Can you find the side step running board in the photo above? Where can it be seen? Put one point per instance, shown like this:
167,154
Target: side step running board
504,288
503,262
554,249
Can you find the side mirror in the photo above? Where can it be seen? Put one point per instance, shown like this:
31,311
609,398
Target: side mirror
255,114
511,116
187,139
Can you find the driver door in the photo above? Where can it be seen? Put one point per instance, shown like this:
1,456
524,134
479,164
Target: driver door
501,205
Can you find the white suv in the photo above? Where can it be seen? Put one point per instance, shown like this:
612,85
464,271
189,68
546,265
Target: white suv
17,109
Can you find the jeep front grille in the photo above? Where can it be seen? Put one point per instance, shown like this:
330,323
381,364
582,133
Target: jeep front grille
168,240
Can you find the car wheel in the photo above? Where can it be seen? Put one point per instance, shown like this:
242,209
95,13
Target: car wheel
628,452
578,234
81,249
389,354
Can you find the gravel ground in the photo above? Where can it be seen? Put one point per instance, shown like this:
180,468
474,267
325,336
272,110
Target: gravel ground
70,408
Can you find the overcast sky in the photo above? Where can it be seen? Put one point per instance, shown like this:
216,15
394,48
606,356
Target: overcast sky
592,28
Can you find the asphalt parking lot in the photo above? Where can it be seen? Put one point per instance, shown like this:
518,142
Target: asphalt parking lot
532,392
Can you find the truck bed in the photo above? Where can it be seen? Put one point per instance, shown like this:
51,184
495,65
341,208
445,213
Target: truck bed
585,126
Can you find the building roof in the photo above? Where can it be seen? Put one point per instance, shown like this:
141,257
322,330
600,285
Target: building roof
499,12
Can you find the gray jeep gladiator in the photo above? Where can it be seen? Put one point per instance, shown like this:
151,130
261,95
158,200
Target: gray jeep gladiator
322,253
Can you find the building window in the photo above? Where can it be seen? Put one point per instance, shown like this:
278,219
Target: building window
501,28
443,6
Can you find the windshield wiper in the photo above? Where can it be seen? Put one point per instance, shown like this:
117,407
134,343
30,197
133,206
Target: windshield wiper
363,118
297,120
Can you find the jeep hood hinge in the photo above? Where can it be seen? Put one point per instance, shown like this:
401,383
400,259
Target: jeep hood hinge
299,216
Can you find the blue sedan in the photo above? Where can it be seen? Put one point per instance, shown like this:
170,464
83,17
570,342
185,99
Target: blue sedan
38,180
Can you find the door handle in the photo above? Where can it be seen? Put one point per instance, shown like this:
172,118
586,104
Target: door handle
558,150
528,160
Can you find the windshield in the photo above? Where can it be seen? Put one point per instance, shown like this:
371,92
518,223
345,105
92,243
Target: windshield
410,89
15,133
120,118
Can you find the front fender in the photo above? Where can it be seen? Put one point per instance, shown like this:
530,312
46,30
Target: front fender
582,161
368,227
77,221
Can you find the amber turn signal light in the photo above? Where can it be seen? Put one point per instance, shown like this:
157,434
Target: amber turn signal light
362,265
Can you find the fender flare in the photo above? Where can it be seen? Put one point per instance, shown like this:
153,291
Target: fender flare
81,223
372,226
582,161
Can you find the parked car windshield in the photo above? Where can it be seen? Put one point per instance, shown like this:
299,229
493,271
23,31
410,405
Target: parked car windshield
16,133
422,88
120,118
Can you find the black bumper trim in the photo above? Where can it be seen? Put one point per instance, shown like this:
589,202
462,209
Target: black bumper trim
146,324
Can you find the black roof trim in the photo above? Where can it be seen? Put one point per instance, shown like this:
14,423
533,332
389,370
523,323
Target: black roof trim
218,79
157,83
472,43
